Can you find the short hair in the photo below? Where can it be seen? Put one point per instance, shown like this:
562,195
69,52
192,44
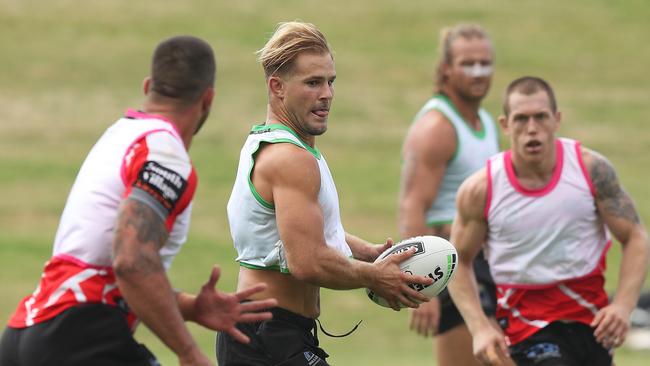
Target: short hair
447,37
182,68
528,85
289,40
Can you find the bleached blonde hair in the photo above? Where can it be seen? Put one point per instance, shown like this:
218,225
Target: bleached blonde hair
288,41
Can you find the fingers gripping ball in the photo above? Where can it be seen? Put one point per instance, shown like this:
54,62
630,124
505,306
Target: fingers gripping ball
434,257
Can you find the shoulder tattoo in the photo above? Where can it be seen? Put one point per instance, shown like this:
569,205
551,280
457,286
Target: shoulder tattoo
139,223
149,226
614,200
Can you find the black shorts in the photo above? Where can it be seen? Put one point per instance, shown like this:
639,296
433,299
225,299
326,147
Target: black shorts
450,316
561,344
90,334
286,340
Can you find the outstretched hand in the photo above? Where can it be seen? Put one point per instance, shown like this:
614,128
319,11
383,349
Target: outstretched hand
220,311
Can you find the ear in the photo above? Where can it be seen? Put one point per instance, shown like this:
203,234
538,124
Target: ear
276,86
558,119
445,69
146,84
503,122
208,97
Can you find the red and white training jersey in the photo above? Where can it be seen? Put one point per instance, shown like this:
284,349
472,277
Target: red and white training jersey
142,157
546,247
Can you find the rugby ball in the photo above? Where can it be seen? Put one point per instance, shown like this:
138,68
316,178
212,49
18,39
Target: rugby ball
434,257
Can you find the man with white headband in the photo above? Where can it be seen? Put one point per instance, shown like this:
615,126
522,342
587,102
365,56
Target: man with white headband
451,137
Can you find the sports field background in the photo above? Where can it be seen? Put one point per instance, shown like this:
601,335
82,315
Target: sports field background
68,69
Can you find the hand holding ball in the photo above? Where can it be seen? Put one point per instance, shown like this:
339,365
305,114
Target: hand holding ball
434,257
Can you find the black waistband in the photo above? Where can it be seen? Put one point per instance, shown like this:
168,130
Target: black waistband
291,317
307,324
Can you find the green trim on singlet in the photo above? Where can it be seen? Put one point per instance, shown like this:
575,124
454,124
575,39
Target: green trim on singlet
258,129
271,268
478,134
447,101
274,267
443,222
276,126
256,194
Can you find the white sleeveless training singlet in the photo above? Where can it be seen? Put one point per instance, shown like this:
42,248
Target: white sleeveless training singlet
546,247
140,157
473,148
554,233
252,220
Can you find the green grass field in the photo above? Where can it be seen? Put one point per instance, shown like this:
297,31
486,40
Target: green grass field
69,68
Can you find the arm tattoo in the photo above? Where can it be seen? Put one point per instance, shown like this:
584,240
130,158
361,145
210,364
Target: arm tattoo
151,229
150,234
615,201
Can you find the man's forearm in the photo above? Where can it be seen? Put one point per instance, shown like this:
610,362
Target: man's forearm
358,246
464,291
633,269
329,269
150,296
412,221
141,276
186,304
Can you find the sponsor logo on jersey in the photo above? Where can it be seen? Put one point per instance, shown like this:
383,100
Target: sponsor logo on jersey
163,184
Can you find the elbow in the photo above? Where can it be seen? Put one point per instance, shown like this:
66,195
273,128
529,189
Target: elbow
411,212
408,208
124,268
643,234
645,244
638,240
305,273
131,259
128,268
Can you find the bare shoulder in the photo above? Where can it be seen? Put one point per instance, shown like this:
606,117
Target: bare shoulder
432,134
472,194
602,173
611,198
470,227
286,163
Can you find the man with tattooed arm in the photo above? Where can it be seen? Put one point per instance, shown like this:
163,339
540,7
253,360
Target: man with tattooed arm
125,219
544,211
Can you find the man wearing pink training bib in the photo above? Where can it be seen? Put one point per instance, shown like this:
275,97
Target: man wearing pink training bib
545,209
126,217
